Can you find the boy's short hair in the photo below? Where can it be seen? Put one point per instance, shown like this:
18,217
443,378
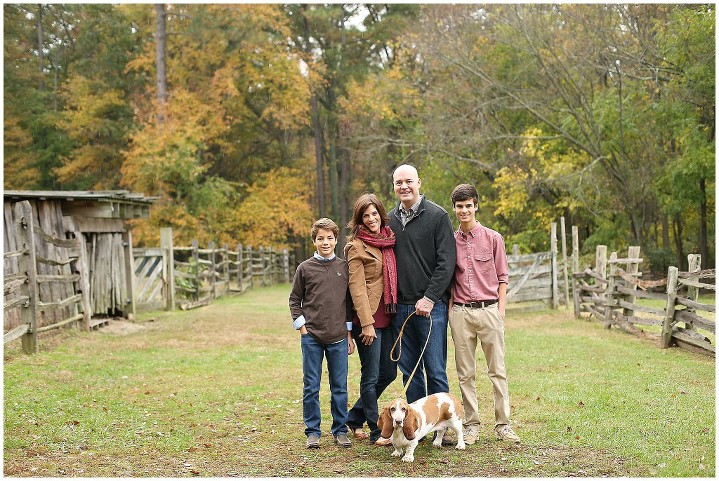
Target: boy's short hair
327,224
464,192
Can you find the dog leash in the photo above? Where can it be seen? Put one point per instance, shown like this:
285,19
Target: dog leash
399,340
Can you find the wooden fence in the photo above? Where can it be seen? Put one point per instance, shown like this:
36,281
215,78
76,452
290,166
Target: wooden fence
199,275
45,287
539,279
611,297
48,278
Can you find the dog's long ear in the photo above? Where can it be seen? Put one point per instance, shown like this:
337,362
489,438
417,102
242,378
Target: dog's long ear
411,423
384,422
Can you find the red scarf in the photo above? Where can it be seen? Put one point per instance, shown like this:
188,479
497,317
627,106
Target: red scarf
385,241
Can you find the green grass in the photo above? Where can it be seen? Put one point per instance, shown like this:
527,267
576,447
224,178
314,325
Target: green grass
216,392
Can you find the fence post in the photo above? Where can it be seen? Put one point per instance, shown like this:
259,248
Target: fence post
213,268
27,263
553,243
196,256
84,271
226,267
515,249
672,277
695,262
240,268
609,295
128,310
601,261
633,270
565,268
262,266
575,269
285,266
250,262
168,248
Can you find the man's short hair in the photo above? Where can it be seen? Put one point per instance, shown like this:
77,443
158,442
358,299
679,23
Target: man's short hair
327,224
465,192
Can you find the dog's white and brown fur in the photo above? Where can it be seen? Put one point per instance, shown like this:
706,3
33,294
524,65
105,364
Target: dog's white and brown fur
406,423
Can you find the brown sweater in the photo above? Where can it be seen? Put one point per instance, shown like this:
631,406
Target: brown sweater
320,293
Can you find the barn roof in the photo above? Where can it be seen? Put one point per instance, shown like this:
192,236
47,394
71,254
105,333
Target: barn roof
109,204
99,195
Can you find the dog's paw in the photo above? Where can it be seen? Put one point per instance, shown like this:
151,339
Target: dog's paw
408,458
460,446
396,452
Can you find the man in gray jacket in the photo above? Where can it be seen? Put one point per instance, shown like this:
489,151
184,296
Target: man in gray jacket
425,251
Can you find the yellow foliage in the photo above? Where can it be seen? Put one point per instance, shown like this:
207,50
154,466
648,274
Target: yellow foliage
162,157
146,232
512,186
277,207
20,172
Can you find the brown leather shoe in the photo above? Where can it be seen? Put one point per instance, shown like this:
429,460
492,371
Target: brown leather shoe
359,434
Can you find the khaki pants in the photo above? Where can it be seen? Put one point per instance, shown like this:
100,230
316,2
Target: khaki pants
487,326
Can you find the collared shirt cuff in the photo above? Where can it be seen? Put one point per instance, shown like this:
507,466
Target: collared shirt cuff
349,325
299,322
430,299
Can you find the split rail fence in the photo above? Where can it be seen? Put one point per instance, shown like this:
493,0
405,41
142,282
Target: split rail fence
610,291
48,277
539,280
192,276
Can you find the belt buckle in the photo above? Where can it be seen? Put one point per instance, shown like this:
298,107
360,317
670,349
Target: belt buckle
475,305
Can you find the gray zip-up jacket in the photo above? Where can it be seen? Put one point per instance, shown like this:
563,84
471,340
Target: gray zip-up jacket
426,253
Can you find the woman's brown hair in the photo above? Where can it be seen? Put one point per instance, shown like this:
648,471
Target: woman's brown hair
363,201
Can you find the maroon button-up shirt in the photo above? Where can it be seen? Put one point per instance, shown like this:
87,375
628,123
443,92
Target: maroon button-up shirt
481,265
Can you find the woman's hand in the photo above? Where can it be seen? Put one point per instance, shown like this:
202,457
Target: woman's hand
368,335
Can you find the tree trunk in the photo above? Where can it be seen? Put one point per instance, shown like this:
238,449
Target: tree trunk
40,50
160,54
344,156
703,234
319,157
678,228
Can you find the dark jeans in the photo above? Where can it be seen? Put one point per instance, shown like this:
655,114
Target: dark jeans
313,352
376,373
434,361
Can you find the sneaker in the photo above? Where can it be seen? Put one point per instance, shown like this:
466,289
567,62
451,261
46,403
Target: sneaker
313,441
383,442
505,433
343,440
471,434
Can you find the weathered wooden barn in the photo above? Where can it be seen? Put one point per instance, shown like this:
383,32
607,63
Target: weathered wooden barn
98,218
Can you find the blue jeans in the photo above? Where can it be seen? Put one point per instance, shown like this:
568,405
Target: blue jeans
313,352
434,361
376,373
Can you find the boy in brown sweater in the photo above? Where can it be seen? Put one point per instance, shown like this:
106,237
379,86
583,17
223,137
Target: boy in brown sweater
321,310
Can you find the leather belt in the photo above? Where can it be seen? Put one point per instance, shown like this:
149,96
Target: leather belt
477,304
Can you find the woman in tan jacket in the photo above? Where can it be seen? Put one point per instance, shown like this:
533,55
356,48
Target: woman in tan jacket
373,285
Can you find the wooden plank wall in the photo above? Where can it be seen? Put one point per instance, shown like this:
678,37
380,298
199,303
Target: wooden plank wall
107,273
12,317
47,215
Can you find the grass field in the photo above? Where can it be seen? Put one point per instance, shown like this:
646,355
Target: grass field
217,392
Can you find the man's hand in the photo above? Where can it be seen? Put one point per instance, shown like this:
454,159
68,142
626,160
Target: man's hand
350,343
424,306
303,330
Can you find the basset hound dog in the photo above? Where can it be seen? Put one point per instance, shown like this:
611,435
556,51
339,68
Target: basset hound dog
406,423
